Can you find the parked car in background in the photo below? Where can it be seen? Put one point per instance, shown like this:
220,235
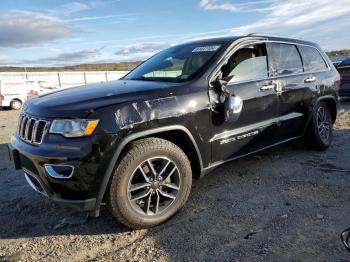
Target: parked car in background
12,94
39,87
336,63
137,143
344,71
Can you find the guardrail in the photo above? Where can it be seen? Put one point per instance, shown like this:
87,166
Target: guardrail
64,79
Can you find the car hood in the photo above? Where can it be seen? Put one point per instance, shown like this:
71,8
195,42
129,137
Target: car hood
80,101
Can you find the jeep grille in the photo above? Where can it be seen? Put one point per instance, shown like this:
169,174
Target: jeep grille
32,130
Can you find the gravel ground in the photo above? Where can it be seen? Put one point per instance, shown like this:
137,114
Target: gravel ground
285,204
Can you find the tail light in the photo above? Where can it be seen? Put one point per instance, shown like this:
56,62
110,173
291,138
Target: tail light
2,97
338,79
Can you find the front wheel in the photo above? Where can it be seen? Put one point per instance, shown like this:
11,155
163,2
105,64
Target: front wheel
151,183
320,130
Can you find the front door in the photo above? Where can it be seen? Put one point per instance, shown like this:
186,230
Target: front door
255,105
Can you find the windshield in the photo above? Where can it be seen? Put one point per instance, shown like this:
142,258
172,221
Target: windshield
176,64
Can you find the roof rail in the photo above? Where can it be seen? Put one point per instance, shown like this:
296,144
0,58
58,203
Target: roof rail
262,34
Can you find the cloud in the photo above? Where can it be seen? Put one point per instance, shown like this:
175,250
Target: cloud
23,29
313,20
143,48
76,7
120,18
216,5
77,56
73,7
289,15
69,58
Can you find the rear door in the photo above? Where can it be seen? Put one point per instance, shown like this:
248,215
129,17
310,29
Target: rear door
292,86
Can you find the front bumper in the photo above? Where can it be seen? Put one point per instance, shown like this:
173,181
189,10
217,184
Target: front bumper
89,157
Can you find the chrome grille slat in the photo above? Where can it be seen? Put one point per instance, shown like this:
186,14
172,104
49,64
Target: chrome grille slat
32,130
35,129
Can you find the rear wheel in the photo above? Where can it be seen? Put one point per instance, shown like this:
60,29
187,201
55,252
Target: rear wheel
151,183
320,132
16,104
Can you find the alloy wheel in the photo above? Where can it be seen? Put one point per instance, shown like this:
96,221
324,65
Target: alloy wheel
323,124
154,186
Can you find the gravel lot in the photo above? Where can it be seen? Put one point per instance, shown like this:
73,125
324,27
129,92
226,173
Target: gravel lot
287,203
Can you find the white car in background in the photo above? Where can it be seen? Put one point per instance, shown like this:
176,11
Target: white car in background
39,87
14,93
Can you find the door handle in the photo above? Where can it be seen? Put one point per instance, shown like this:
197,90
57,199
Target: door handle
268,87
310,79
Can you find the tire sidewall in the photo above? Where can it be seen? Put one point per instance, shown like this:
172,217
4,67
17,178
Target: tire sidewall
120,183
316,133
13,103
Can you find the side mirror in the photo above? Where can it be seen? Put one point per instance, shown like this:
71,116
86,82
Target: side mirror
220,83
233,108
345,238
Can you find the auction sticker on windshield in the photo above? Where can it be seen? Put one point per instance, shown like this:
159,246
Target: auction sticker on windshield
210,48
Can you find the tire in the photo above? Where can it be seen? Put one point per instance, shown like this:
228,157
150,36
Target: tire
320,130
134,178
16,104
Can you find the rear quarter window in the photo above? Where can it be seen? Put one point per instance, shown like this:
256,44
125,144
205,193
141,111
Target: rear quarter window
284,59
312,59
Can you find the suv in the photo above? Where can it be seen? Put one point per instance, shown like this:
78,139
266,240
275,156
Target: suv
344,71
137,143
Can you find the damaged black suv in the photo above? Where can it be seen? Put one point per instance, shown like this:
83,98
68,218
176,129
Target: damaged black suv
137,143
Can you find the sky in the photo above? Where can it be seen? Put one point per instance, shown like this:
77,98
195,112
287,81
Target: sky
56,33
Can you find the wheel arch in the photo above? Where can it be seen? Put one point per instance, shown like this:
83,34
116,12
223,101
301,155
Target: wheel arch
332,106
331,103
17,99
172,133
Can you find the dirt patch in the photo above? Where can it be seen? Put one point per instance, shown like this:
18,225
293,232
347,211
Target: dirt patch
288,203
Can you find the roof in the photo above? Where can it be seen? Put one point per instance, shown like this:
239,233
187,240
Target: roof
231,39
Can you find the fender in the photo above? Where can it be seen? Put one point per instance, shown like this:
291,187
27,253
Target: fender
313,109
120,147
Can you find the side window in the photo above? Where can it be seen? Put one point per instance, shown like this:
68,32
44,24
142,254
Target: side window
312,59
284,59
248,63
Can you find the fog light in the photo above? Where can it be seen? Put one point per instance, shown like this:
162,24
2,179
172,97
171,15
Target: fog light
59,171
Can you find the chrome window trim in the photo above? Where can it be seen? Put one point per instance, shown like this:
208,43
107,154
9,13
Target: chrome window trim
275,77
261,41
341,67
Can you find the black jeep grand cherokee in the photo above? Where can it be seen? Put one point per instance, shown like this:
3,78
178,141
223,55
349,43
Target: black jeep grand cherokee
137,143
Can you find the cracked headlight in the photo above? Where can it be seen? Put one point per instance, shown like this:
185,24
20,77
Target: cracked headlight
73,127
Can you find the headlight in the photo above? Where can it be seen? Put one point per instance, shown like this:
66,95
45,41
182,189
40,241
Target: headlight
73,128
